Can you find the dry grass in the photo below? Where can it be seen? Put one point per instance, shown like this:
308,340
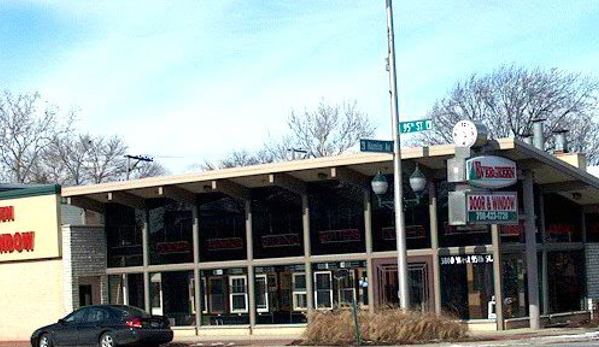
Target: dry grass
384,327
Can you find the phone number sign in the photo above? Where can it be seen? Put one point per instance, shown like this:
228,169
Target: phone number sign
496,208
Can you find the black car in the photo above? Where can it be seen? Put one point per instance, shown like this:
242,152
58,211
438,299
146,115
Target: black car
105,326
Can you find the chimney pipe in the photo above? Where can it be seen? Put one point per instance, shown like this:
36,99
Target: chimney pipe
527,138
561,142
538,135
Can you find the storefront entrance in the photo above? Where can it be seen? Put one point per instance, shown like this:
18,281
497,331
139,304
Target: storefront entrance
420,282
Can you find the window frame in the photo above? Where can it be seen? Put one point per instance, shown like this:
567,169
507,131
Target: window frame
232,294
295,292
263,277
330,290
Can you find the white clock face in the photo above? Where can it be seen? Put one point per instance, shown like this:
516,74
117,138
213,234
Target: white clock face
464,133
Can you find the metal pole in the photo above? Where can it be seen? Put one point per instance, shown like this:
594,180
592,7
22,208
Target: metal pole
531,252
402,264
128,167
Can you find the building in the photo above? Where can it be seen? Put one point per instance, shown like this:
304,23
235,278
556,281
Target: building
252,250
31,262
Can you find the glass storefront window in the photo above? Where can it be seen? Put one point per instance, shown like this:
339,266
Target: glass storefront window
467,290
515,299
566,282
337,285
222,228
562,219
170,232
416,217
592,226
336,218
225,297
277,223
281,296
126,290
124,227
172,295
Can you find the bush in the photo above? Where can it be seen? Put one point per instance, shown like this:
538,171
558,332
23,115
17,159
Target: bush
383,327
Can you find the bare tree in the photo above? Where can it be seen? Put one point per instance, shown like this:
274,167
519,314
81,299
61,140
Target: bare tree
106,159
28,129
330,129
510,98
148,169
326,131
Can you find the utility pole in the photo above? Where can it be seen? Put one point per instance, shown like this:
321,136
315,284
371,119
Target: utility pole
138,159
297,150
400,232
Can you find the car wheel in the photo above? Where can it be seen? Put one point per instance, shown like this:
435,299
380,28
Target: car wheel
107,340
44,341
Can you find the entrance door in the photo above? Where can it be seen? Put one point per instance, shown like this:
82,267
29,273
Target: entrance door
85,295
388,287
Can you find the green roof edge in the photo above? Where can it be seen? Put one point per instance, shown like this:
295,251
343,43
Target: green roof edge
46,189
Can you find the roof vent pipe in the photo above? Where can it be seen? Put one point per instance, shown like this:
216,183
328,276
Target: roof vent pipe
527,138
561,143
538,135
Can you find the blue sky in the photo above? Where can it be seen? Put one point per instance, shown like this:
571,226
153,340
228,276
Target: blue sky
198,79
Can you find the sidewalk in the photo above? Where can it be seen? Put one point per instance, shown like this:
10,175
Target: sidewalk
492,338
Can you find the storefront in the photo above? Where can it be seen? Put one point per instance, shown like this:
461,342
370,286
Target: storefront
255,249
31,267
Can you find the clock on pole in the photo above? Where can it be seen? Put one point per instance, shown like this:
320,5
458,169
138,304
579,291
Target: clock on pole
468,134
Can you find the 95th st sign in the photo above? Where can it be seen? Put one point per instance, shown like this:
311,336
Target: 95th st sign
497,208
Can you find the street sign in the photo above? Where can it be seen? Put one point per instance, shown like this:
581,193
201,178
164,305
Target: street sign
496,208
376,146
415,126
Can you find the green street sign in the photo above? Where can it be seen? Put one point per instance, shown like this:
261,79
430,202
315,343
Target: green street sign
415,126
376,146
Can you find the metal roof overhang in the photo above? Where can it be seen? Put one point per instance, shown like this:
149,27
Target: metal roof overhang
549,171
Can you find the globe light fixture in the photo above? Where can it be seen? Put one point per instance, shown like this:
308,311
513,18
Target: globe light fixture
418,182
379,184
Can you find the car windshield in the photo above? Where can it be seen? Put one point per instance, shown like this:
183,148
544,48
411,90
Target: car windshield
129,311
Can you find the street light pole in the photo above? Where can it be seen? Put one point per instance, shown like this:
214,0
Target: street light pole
400,231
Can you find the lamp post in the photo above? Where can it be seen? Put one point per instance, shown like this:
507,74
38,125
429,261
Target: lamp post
379,187
400,232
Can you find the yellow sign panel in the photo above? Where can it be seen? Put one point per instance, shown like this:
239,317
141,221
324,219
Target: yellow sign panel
30,228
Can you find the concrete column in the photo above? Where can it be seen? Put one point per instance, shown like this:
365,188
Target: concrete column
307,251
196,263
544,283
306,225
497,276
250,257
531,251
146,260
434,234
370,293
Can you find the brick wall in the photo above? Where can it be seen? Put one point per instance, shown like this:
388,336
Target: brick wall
84,254
592,260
